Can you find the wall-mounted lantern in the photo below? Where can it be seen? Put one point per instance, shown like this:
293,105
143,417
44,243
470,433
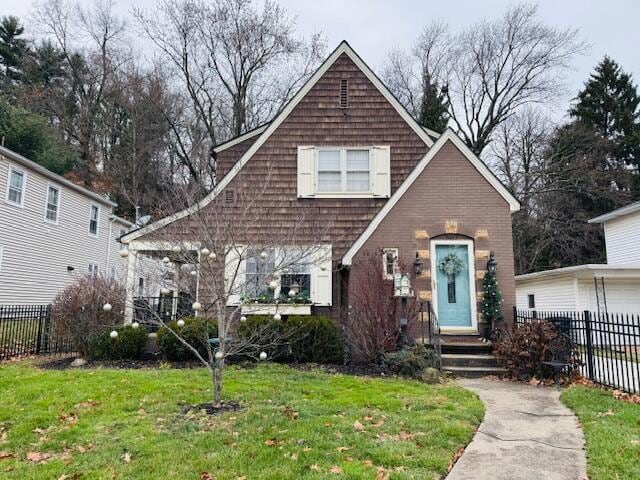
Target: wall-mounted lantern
492,265
417,265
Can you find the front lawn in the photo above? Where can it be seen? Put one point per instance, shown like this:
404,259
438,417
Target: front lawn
612,431
127,424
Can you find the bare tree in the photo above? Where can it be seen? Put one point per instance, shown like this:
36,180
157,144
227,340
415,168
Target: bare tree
237,65
240,271
89,40
492,68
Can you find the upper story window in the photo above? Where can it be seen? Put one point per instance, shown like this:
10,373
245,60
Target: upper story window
344,170
93,270
93,220
53,204
16,186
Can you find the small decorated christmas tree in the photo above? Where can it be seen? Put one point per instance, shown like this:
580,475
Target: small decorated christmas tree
492,300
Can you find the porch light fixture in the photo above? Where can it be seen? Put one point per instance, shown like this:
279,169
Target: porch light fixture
107,307
204,251
196,306
492,265
417,265
124,253
180,323
263,355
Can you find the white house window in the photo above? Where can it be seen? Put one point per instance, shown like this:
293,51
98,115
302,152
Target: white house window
93,220
344,170
296,271
93,270
389,262
15,188
53,204
257,272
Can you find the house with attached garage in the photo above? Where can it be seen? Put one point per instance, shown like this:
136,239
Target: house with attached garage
613,287
51,232
346,160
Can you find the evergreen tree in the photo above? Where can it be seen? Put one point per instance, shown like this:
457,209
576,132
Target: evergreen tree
434,113
12,48
608,104
491,300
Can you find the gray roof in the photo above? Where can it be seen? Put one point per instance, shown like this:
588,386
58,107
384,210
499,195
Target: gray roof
626,210
24,161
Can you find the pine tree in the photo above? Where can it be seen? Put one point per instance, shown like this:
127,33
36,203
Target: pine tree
608,104
434,112
12,47
491,300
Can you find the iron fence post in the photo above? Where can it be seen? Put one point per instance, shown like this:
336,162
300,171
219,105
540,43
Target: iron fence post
587,332
39,334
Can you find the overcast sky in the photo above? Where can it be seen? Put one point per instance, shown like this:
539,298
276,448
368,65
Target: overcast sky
372,27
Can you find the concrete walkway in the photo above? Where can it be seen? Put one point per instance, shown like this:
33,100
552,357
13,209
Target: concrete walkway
526,434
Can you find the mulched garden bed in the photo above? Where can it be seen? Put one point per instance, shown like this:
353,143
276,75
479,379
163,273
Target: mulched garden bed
65,364
211,409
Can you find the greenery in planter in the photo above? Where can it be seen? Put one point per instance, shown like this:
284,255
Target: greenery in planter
491,300
410,361
196,331
268,299
128,345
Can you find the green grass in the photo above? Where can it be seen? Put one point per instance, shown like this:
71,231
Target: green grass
612,431
126,424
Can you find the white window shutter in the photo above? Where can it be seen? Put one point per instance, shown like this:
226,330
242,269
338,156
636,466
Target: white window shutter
322,277
234,266
306,171
382,171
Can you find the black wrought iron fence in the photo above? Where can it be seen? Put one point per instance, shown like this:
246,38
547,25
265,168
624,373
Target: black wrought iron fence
28,330
607,343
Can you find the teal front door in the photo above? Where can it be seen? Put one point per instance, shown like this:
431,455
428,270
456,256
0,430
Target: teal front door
453,291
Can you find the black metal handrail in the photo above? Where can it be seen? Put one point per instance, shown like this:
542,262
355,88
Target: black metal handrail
434,334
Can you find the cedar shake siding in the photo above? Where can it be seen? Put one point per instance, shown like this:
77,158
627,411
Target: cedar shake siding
449,189
229,156
316,120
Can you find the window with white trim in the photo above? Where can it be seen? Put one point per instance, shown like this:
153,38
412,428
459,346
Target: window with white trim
15,186
53,204
389,262
93,270
296,273
257,273
94,217
344,170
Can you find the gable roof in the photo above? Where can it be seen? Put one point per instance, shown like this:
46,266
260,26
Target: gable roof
240,138
54,177
448,135
343,48
626,210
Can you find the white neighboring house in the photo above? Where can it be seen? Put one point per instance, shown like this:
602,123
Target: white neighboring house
612,287
52,232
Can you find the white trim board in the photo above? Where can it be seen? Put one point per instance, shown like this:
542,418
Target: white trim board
448,135
343,48
473,299
626,210
239,139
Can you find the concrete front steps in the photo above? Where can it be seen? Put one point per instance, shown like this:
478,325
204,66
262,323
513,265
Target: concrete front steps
471,358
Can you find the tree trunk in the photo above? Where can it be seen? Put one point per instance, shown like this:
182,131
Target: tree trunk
217,385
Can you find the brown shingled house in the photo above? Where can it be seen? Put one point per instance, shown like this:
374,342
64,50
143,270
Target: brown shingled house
345,152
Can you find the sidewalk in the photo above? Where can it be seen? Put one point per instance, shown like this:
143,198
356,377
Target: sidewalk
526,434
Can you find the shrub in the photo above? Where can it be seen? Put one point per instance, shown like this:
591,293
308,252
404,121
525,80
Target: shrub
129,345
410,361
315,339
372,322
431,376
523,349
263,333
77,312
196,331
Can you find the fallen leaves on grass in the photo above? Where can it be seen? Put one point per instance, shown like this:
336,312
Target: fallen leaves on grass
206,476
343,449
88,404
608,413
382,474
336,470
455,458
315,467
5,455
126,457
290,413
358,426
39,457
271,442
